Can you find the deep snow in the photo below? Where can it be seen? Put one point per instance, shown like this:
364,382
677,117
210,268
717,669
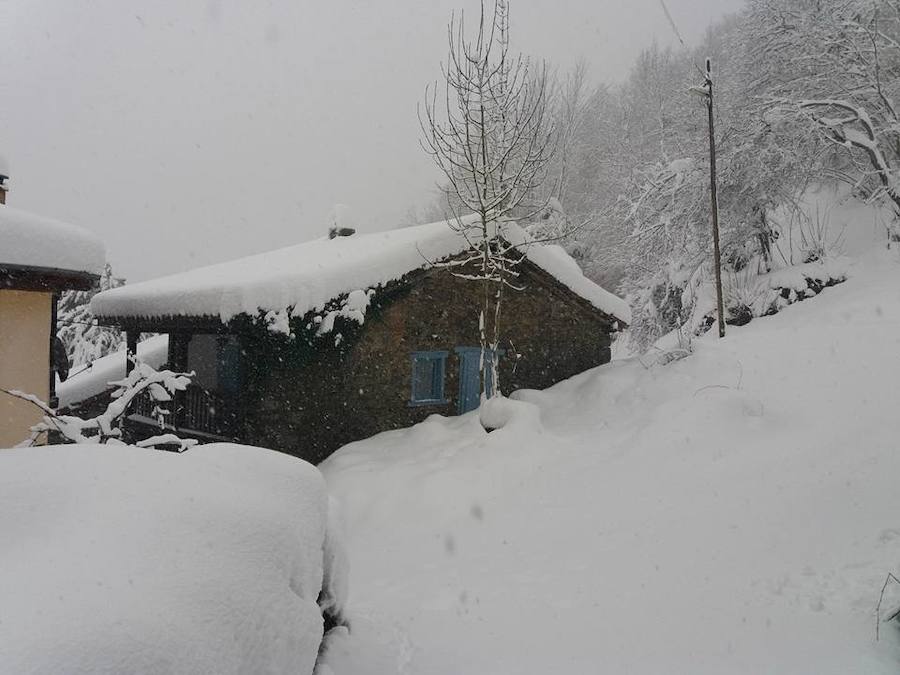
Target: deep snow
117,559
732,512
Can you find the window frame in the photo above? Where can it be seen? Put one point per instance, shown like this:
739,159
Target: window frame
438,359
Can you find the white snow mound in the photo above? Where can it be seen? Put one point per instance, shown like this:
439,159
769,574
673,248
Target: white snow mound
117,559
746,493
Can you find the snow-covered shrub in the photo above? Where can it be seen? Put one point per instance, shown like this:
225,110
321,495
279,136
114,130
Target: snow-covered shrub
118,560
816,240
746,296
160,386
663,304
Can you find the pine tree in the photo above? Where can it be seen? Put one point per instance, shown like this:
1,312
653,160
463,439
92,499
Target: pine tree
84,340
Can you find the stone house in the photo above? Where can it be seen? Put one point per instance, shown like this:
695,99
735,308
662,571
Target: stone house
39,258
307,348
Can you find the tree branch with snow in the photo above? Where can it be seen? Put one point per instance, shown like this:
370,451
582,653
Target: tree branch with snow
160,386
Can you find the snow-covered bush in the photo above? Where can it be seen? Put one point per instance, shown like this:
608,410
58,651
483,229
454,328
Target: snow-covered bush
816,240
160,386
663,302
118,560
746,296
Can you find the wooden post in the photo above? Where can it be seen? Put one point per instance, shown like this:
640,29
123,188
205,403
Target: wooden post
54,316
131,340
714,198
178,361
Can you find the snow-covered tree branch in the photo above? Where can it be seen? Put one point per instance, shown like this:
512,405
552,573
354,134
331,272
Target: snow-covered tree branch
160,386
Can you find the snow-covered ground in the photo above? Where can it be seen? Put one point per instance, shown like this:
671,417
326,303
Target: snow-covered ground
117,559
734,512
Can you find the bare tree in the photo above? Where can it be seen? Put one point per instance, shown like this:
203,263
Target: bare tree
490,134
572,104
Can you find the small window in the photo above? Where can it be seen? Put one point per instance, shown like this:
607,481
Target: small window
428,369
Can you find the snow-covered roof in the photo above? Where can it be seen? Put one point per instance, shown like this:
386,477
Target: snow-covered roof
92,379
28,240
307,276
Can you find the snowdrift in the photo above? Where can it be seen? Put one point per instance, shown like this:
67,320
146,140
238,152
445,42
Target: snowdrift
122,560
732,512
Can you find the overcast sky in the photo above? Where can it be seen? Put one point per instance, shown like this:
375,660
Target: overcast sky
185,132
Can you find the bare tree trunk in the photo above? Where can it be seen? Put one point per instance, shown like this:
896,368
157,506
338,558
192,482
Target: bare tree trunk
493,144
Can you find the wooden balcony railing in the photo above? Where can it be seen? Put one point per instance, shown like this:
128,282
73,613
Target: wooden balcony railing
194,410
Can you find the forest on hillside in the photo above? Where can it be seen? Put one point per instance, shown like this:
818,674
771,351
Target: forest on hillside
804,98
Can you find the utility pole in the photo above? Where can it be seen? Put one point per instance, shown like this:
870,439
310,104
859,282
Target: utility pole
714,198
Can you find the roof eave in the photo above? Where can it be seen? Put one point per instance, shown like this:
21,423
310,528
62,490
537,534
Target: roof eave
36,278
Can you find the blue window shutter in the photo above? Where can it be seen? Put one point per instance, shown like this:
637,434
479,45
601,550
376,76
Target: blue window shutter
428,373
471,376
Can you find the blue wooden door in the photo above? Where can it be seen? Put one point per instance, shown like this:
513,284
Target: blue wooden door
469,378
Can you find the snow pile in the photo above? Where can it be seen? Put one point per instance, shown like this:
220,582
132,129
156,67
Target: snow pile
797,277
732,512
683,165
505,413
123,560
308,276
27,240
95,377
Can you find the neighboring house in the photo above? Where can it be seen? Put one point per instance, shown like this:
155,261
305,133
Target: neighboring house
39,258
310,347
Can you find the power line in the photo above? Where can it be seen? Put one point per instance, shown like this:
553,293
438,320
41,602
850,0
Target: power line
675,30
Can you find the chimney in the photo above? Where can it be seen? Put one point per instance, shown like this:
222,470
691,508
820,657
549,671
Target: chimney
4,179
340,232
343,224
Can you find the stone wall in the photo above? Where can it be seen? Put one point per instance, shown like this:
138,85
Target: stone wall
309,399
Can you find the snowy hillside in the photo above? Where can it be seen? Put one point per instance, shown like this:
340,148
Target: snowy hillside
733,512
